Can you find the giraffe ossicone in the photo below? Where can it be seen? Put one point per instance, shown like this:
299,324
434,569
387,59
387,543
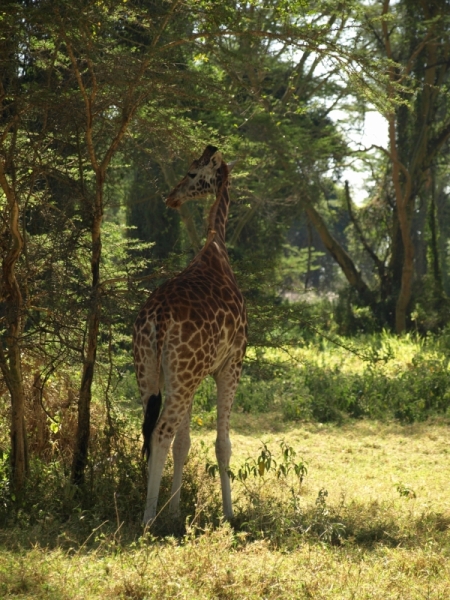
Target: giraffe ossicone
193,325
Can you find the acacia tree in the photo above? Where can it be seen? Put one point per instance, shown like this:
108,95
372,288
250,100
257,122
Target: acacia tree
115,77
65,112
409,43
413,37
419,49
16,183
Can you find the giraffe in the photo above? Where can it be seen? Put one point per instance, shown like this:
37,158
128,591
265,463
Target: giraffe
193,325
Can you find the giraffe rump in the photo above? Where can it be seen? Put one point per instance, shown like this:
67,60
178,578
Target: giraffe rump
150,419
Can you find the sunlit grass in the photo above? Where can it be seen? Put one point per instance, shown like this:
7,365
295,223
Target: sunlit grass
390,546
218,565
352,355
360,462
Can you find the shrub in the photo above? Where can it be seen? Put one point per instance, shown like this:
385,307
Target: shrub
376,377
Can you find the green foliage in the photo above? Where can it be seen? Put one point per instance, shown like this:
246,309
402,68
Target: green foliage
332,379
405,491
352,317
266,464
329,394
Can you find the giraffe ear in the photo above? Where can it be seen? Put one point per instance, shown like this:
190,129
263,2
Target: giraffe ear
216,160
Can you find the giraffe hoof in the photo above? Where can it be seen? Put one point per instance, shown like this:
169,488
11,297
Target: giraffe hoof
148,520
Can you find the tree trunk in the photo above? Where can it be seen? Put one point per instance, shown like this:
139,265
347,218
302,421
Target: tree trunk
93,321
12,371
404,296
19,448
10,351
339,254
404,202
434,243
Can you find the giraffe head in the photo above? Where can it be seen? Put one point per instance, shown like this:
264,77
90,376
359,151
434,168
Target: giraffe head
200,180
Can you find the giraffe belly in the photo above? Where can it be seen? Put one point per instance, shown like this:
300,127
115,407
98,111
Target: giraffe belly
190,354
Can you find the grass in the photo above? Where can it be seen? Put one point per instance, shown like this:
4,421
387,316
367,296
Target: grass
214,566
370,518
387,489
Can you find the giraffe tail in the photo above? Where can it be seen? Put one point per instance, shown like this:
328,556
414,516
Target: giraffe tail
151,417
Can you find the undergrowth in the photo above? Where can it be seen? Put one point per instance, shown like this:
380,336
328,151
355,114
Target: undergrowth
375,377
270,505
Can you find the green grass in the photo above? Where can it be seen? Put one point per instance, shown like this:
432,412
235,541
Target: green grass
348,531
326,505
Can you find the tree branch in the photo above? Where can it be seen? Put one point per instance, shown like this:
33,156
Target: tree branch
379,263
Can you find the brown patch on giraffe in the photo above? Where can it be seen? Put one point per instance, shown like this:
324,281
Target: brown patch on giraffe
195,341
183,352
182,313
192,365
230,321
188,328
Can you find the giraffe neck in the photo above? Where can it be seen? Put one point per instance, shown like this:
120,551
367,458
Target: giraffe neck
218,215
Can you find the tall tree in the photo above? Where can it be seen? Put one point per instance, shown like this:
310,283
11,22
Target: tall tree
419,48
15,183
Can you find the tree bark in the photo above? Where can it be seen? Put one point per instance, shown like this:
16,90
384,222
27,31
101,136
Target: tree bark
93,322
10,350
434,242
401,179
338,253
404,296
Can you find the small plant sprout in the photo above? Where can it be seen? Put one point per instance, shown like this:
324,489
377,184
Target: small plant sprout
266,464
405,491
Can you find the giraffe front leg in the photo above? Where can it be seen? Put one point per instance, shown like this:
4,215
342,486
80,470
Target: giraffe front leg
226,381
223,454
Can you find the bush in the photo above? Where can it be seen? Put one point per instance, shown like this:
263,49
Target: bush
378,377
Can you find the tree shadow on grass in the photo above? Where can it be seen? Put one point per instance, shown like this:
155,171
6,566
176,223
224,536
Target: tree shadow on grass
356,525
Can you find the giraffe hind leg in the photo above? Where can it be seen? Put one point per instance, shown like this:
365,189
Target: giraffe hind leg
151,416
171,417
